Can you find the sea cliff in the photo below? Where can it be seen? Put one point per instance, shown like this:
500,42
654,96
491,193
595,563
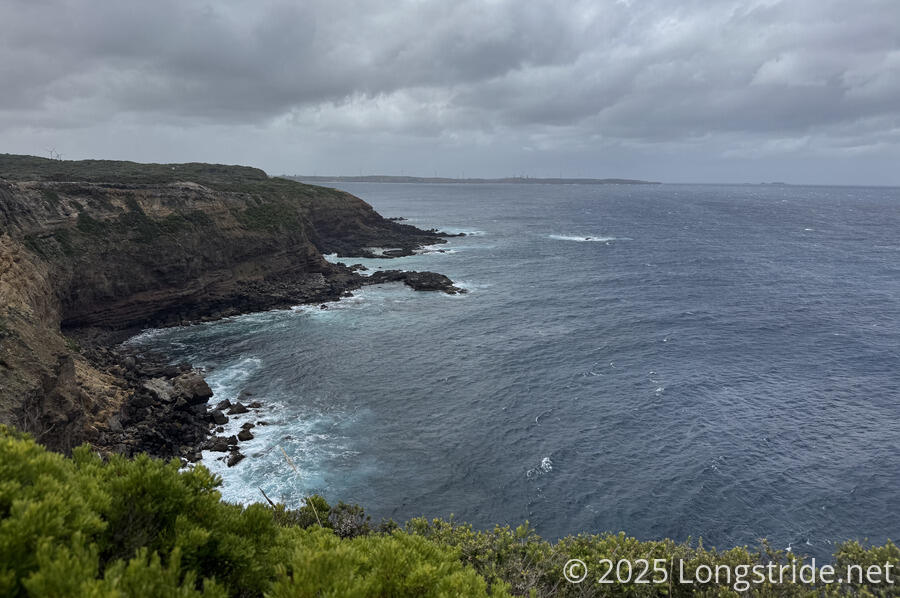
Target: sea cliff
91,251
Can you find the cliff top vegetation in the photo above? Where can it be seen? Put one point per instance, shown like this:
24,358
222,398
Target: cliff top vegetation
83,526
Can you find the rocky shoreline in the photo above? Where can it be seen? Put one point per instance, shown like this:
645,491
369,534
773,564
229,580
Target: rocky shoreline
92,252
165,413
171,412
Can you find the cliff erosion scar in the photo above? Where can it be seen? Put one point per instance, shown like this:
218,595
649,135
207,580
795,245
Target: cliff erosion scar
92,251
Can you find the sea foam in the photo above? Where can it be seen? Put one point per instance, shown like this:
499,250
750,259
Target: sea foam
588,238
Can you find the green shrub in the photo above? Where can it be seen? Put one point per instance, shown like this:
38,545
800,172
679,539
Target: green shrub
398,564
84,526
519,559
177,222
64,239
51,196
140,527
314,512
274,215
90,226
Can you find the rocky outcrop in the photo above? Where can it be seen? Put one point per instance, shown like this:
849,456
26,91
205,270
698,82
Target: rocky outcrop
163,411
419,281
93,250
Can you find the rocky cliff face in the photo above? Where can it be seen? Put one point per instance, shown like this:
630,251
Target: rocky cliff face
102,245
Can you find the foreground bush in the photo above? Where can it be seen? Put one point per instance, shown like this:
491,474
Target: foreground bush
88,527
528,565
82,526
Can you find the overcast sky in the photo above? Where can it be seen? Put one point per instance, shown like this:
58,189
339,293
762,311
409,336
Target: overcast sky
677,91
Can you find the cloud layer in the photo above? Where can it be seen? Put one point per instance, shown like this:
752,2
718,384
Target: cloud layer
684,90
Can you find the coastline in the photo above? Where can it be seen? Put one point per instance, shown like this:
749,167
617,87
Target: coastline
93,252
175,413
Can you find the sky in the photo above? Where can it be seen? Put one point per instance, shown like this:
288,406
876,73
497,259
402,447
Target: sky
799,91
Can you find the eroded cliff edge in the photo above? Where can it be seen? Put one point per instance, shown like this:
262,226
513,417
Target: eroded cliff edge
91,247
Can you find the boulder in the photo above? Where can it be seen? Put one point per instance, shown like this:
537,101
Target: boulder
245,435
160,388
114,424
142,399
238,408
193,388
218,444
218,417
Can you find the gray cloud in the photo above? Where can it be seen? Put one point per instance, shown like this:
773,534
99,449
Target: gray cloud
729,80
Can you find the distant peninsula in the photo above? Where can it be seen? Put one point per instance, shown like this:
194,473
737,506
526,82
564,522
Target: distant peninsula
379,178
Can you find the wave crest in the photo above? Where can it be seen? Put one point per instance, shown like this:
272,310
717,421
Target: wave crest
588,238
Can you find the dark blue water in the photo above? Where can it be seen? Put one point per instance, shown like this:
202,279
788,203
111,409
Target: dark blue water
716,361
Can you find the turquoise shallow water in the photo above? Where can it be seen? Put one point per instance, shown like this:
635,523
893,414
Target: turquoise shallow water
713,361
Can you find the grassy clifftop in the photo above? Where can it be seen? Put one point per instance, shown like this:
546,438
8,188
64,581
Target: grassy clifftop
32,168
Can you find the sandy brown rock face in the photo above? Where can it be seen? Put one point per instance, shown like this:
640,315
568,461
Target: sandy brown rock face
46,386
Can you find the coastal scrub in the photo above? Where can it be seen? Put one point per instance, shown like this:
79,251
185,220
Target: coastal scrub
85,526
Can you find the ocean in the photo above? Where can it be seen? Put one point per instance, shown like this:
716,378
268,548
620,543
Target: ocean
671,361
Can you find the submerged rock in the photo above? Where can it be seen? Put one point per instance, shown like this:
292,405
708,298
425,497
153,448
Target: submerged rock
235,458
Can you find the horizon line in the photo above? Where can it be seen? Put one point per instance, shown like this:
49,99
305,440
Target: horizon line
410,179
